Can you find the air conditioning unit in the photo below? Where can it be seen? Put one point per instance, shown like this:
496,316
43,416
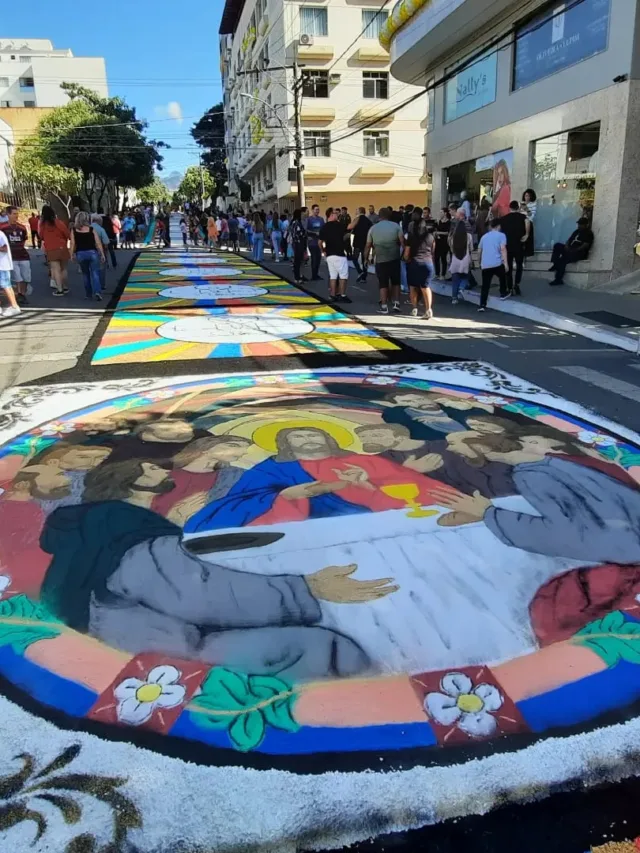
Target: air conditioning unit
305,40
334,78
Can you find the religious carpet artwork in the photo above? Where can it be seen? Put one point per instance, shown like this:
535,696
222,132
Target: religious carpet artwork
161,295
436,562
233,332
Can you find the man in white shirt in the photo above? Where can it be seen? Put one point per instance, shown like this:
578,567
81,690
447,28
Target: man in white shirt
6,265
492,253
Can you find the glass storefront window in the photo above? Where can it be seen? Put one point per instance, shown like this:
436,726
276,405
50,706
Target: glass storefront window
564,170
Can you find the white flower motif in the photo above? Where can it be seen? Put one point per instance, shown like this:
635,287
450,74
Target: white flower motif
587,437
57,428
137,699
380,380
5,583
160,394
493,401
462,704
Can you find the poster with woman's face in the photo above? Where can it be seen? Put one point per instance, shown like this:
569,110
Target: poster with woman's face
502,167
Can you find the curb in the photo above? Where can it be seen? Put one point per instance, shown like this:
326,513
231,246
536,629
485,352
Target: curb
549,318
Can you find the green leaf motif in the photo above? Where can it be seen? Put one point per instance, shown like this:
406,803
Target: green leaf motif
629,458
612,638
244,705
25,630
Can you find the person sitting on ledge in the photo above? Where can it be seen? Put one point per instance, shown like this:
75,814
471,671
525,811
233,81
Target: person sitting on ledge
576,248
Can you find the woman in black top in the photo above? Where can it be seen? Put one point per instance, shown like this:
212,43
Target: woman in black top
442,243
86,249
298,234
360,228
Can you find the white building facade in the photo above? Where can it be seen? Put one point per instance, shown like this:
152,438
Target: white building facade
353,153
532,95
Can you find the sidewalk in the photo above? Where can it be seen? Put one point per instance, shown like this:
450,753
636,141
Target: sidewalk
565,307
51,332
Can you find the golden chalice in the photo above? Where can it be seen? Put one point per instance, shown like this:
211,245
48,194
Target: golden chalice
408,492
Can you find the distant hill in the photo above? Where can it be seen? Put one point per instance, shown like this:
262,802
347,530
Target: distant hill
172,181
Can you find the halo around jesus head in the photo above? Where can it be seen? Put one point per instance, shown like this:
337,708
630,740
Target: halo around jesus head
266,436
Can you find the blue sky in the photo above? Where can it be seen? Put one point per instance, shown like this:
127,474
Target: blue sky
162,57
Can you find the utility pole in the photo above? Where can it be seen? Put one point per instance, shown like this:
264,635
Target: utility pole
297,138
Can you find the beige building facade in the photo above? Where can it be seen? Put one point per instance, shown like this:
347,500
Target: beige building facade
353,153
535,95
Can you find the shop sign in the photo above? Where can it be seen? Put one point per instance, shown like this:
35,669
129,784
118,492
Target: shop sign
471,88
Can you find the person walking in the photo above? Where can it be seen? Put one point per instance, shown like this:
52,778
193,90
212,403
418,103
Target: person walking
332,244
461,243
387,240
54,237
276,235
184,230
418,255
86,249
373,216
6,267
530,200
212,232
107,224
128,232
17,236
443,226
258,238
314,225
234,232
34,225
298,235
492,253
96,224
284,229
360,228
482,218
514,228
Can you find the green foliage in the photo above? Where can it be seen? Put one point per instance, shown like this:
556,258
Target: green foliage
244,705
197,182
612,638
23,622
29,165
208,132
154,193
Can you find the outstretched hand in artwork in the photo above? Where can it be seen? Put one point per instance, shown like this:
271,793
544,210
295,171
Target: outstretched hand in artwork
336,584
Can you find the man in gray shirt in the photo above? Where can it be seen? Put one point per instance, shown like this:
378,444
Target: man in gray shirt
387,240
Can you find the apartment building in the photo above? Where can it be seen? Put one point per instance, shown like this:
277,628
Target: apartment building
532,95
358,147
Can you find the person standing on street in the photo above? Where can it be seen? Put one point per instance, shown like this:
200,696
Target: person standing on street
387,240
212,232
276,235
418,254
234,232
360,228
492,253
332,244
96,224
442,243
373,216
17,236
107,224
314,224
461,248
514,228
54,236
298,235
86,249
34,225
6,266
345,218
258,237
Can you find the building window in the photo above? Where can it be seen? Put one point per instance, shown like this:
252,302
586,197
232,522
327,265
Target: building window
472,88
375,84
372,23
317,143
563,175
315,84
376,143
559,37
29,103
5,103
26,82
4,81
314,21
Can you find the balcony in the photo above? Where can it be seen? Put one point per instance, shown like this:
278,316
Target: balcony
374,113
320,171
372,53
319,52
317,114
375,170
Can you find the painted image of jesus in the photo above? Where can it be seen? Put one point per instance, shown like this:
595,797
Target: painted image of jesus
311,475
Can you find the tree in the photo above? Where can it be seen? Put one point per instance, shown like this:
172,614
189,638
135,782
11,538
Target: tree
28,166
154,193
101,139
197,182
208,133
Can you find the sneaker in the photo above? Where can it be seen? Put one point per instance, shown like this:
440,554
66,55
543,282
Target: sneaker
52,284
428,315
383,309
344,298
21,299
396,308
481,309
58,293
11,312
506,296
97,297
454,301
414,312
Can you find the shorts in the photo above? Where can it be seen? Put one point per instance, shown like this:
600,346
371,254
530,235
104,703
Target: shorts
338,267
419,274
5,279
21,272
389,274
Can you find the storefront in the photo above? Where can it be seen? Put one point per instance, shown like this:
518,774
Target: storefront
485,177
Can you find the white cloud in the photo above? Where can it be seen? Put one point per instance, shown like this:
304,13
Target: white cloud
171,110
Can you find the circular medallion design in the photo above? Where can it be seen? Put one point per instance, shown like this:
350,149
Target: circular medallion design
212,291
226,329
201,272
